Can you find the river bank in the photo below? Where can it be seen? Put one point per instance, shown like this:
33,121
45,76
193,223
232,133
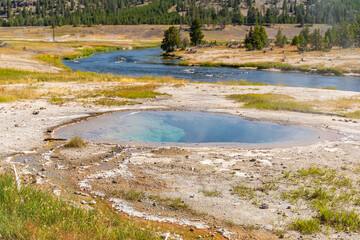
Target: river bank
288,59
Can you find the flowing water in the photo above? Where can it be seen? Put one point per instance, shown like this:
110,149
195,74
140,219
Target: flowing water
148,61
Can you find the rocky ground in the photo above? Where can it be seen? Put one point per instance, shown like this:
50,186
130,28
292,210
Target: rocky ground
226,190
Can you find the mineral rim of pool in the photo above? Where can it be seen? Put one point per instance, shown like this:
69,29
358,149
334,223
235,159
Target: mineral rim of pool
185,127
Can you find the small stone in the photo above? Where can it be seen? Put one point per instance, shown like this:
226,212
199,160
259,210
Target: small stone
154,204
43,169
35,112
191,229
252,160
264,206
93,202
83,202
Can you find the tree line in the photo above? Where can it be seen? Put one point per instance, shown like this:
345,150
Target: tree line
345,35
115,12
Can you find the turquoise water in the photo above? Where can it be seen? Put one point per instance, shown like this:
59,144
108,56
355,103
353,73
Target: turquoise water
184,127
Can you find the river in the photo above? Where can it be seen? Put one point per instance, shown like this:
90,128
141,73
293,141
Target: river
148,61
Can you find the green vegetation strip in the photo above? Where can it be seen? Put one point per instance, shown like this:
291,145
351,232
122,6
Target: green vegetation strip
270,102
12,76
34,214
87,52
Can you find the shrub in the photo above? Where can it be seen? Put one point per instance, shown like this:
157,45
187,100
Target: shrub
76,142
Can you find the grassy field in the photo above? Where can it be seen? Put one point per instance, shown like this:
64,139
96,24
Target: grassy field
35,214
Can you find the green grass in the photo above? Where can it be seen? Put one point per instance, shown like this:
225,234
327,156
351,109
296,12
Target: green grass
113,102
329,194
244,191
12,76
130,92
270,102
53,59
309,226
211,193
184,64
129,195
313,171
242,83
75,142
174,203
87,52
34,214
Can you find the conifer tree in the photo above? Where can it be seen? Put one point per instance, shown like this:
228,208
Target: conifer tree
171,39
196,35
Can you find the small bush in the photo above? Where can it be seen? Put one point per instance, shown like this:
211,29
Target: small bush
75,142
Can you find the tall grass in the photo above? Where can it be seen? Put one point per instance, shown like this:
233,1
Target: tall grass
34,214
10,94
355,114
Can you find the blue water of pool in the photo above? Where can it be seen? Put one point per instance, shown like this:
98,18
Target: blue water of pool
184,127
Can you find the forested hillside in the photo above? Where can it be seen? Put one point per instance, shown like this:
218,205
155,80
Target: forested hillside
215,12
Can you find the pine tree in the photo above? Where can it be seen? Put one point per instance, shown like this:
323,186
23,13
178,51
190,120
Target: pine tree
279,39
295,41
256,39
196,35
316,40
171,39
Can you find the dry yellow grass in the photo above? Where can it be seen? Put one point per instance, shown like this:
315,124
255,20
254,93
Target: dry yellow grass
10,94
338,105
